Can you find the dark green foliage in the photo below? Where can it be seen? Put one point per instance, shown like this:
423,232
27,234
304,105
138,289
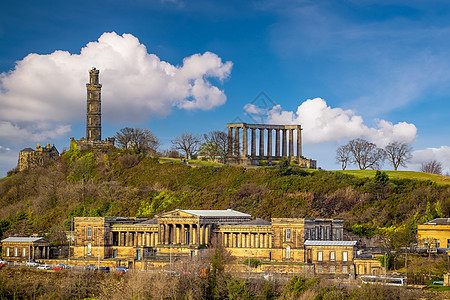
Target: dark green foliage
381,177
298,285
254,263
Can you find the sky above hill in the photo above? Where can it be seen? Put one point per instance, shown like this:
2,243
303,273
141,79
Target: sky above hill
378,70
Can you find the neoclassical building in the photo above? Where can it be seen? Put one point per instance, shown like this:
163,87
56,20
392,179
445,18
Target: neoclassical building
253,143
313,243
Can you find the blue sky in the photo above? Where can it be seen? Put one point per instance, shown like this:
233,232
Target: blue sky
372,69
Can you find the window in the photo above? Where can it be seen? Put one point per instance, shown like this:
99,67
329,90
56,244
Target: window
288,234
24,252
89,232
138,254
89,249
332,256
425,242
448,243
344,256
438,243
319,269
344,270
320,256
15,252
288,252
332,269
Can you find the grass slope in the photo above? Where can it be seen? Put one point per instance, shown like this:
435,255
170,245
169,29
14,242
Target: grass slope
439,179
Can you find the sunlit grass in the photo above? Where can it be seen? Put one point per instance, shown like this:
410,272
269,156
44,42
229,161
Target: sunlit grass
440,179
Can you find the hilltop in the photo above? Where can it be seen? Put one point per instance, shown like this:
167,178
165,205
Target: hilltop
117,183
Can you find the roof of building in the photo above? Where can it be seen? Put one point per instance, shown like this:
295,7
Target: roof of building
439,221
257,222
17,239
150,222
216,213
329,243
28,149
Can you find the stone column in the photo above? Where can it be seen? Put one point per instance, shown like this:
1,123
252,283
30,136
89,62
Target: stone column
207,232
284,150
299,142
238,240
247,242
253,142
167,234
269,142
230,141
236,141
261,142
277,142
291,142
194,234
200,231
119,242
244,141
270,240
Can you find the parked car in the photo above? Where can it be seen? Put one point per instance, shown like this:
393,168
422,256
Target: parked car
44,267
61,266
104,269
120,270
91,268
3,263
31,263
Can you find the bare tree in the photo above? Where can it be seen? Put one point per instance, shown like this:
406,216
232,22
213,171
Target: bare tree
137,139
398,154
188,143
433,167
123,137
343,156
216,144
365,154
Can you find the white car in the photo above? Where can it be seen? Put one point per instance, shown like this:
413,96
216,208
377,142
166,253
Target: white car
44,267
31,263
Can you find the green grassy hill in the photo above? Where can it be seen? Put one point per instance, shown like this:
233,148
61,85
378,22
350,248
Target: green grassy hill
86,183
440,179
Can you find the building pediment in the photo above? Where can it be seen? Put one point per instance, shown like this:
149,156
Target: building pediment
177,213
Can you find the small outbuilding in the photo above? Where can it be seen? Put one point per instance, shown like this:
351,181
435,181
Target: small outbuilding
21,249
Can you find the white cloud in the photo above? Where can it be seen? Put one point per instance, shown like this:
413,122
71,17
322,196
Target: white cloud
322,123
441,154
50,89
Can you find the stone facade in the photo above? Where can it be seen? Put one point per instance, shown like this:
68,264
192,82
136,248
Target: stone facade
20,249
285,142
93,117
185,233
434,234
29,158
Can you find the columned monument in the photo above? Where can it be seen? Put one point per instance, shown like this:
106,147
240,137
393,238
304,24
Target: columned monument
93,116
274,142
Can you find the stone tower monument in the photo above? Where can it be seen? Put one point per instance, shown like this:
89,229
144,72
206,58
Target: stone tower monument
94,107
93,117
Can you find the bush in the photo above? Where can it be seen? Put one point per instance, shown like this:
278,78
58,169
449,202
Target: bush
254,263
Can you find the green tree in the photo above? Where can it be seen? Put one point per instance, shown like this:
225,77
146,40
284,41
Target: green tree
381,177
